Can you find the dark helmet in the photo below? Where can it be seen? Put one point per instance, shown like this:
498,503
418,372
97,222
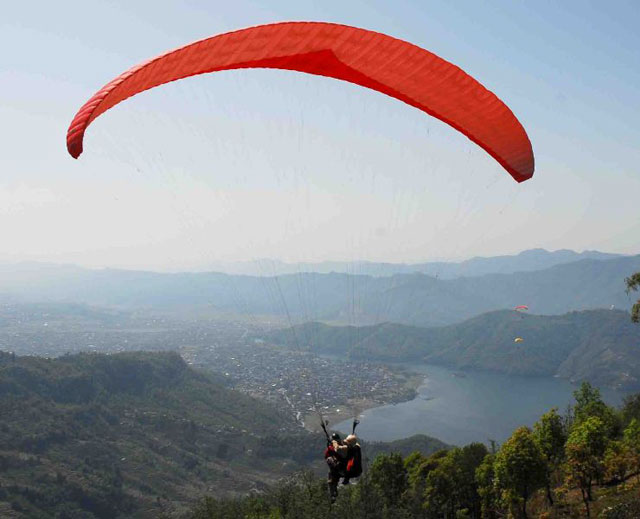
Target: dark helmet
335,437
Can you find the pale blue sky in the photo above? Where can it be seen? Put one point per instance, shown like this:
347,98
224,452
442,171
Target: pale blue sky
272,164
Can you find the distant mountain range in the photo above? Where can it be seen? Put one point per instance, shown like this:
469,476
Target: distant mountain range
526,261
601,346
416,299
581,285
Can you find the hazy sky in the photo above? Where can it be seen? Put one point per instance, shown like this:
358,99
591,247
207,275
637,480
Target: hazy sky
253,164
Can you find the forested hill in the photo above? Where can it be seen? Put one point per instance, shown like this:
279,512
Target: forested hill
583,463
415,299
140,435
405,446
586,284
601,346
129,434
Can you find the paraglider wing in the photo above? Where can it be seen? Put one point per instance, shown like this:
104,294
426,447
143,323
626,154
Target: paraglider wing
518,339
520,308
370,59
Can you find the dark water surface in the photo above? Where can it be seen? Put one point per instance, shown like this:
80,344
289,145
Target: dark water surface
472,406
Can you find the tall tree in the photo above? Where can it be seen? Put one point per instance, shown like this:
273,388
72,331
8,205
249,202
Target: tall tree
585,451
616,461
485,480
632,441
589,403
389,476
633,283
418,467
471,456
631,409
451,487
441,495
520,468
550,434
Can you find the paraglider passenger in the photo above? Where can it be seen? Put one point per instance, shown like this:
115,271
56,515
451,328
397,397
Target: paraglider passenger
353,466
335,463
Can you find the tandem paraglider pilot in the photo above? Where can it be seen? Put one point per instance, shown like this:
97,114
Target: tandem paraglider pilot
344,459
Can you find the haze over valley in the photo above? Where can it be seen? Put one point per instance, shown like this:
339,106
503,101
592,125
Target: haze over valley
244,326
319,260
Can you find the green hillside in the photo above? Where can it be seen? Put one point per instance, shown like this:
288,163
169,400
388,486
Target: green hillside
583,463
426,445
601,346
131,434
139,435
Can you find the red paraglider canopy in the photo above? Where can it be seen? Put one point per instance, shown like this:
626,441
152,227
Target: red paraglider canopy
370,59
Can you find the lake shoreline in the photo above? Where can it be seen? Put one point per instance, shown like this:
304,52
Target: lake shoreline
462,406
356,407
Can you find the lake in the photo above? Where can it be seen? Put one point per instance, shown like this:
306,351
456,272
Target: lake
462,407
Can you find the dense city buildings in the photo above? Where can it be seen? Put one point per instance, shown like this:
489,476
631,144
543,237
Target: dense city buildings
238,350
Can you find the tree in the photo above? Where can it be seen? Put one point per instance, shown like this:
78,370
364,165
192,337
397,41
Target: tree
520,468
440,491
550,434
451,488
389,476
632,442
589,403
633,283
470,458
412,463
485,481
418,467
616,461
585,397
631,409
585,450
